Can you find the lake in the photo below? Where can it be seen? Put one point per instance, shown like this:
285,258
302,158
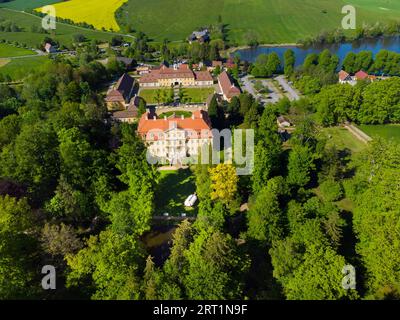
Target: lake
341,50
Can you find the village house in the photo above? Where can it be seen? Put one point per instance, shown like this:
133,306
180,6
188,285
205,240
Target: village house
121,93
213,65
227,87
361,75
283,123
129,63
175,138
200,36
178,75
344,77
130,115
230,64
49,48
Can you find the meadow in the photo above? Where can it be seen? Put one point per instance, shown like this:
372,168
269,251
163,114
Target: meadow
18,69
7,51
27,4
64,33
99,13
388,131
342,139
271,21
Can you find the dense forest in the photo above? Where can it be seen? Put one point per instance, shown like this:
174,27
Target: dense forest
76,192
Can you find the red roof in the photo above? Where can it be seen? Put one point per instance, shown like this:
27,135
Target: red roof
170,73
122,90
216,63
227,86
343,75
203,76
198,122
361,75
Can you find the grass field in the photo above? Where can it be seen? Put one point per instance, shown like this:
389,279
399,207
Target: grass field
64,33
99,13
27,4
4,62
389,131
19,68
272,21
197,95
173,190
7,51
149,95
342,139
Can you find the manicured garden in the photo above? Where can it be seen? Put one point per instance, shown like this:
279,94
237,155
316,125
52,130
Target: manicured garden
178,114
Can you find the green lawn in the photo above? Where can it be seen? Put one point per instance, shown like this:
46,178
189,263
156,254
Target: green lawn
197,95
7,51
178,114
149,95
64,33
389,131
19,68
173,190
27,4
272,21
342,139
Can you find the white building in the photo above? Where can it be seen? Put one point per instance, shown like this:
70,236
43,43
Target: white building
175,138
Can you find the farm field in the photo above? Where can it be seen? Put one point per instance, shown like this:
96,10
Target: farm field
7,51
388,131
27,4
64,33
342,139
99,13
18,69
272,21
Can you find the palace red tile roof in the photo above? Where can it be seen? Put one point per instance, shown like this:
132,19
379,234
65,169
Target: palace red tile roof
198,122
183,72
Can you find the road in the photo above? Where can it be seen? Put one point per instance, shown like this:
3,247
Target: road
292,94
274,95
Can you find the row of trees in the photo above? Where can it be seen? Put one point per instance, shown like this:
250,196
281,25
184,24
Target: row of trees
385,62
366,103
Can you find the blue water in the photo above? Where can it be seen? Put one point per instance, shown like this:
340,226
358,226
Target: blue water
341,50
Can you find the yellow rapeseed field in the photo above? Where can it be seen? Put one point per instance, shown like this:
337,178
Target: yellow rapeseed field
99,13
